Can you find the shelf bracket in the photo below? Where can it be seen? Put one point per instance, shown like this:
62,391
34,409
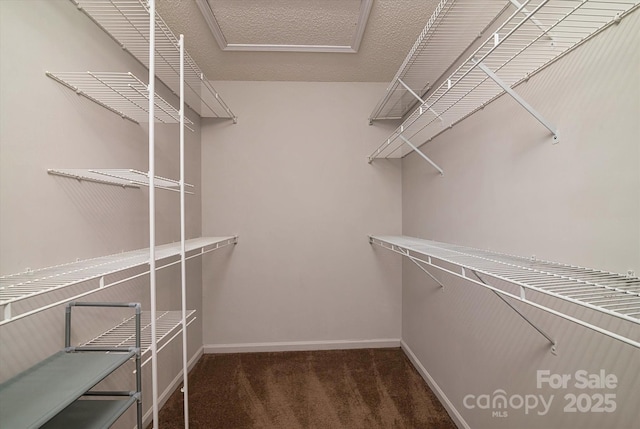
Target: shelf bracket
422,102
6,312
415,261
535,21
548,125
533,325
426,158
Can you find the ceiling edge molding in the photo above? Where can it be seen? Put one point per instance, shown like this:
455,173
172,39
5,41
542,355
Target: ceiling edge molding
363,18
212,22
289,48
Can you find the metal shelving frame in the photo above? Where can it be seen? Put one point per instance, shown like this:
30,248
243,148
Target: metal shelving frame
121,93
30,284
48,395
127,22
602,292
535,35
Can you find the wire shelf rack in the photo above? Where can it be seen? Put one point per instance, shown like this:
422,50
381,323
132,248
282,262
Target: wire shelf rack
119,177
168,326
454,25
534,35
609,293
122,93
29,284
127,22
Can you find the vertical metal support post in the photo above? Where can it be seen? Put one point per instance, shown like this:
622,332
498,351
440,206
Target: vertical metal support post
67,326
426,158
152,211
138,367
548,125
183,265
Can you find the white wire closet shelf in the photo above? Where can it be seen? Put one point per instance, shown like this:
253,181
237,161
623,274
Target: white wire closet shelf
29,284
122,93
127,22
168,326
454,25
534,35
613,294
119,177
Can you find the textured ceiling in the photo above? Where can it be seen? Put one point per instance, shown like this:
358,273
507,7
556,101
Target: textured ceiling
392,29
287,22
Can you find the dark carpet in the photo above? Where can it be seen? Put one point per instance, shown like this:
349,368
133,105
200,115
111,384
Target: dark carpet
370,388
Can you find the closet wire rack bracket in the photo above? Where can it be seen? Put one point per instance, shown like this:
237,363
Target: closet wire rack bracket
422,102
419,152
521,101
554,344
526,13
415,261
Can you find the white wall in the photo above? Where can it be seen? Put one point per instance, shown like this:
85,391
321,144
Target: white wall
291,179
48,220
507,188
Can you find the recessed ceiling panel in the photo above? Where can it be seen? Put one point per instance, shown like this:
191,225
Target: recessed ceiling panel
391,30
287,22
287,25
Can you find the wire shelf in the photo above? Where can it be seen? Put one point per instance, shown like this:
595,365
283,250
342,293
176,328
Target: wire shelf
454,25
532,37
17,287
122,93
119,177
168,326
127,22
609,293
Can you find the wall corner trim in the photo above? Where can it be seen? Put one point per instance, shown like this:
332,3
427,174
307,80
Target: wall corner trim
448,405
301,346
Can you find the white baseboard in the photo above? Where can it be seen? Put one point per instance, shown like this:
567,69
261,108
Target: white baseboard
448,405
301,346
164,396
